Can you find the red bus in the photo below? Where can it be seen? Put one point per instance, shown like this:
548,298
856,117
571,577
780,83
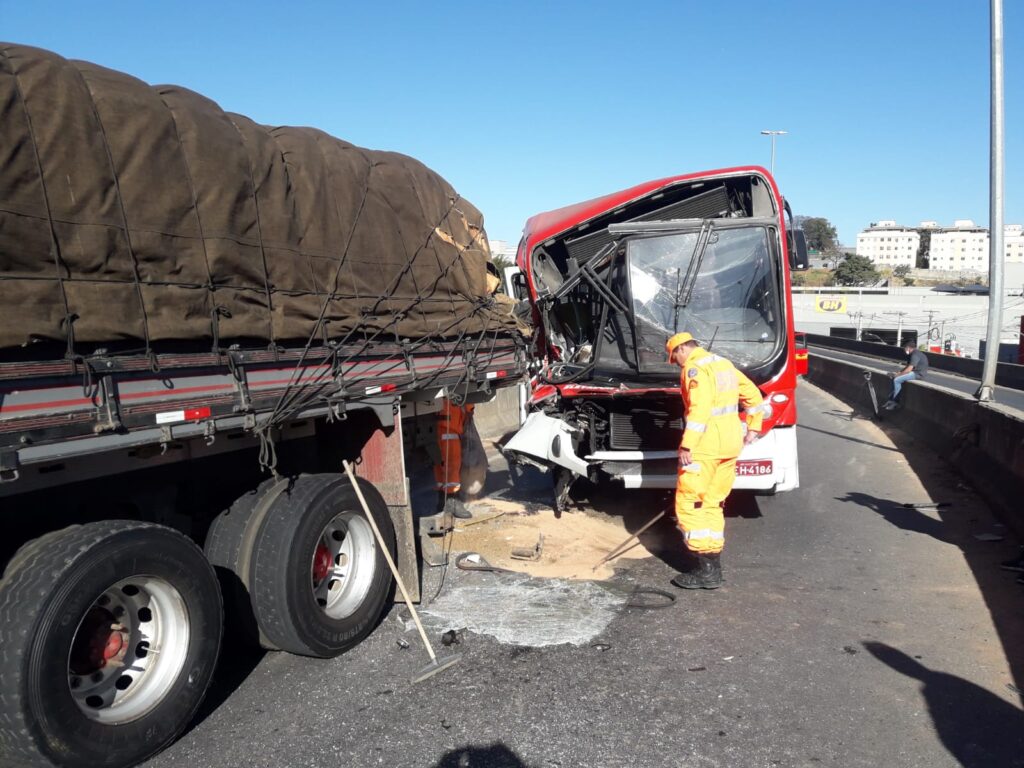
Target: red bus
610,279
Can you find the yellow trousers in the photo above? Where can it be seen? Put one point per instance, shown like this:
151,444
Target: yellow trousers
700,491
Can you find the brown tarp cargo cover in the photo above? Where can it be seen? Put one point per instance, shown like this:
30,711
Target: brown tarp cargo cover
131,212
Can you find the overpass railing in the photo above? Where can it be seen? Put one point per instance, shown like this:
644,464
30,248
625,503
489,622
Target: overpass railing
1007,374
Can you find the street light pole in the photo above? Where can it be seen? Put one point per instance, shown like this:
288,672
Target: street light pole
995,211
773,134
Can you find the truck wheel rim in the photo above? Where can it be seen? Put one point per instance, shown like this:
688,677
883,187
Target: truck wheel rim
128,650
344,565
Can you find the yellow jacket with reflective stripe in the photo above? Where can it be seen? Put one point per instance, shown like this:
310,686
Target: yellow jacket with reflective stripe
713,392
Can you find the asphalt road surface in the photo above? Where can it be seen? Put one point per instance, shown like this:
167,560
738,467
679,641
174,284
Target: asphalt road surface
1012,398
853,631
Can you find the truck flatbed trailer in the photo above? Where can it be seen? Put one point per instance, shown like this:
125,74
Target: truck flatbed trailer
53,410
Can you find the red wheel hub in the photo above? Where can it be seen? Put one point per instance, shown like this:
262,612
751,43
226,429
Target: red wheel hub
321,563
99,640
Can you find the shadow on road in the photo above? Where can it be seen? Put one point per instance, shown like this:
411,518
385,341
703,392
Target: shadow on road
907,518
831,433
976,726
963,516
491,756
238,659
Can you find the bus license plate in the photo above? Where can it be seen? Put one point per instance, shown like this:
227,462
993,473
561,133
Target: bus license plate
753,467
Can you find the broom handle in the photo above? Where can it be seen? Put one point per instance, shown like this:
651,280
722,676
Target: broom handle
391,563
621,548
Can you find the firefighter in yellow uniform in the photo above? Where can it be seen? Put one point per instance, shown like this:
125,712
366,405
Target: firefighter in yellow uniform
713,391
451,423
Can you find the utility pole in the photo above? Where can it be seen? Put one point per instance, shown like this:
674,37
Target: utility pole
986,391
773,134
899,327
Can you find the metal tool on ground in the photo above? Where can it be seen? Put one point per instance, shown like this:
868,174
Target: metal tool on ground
433,529
927,505
477,521
436,665
471,561
528,553
624,546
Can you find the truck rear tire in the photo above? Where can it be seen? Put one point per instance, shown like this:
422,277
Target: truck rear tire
228,547
80,621
318,579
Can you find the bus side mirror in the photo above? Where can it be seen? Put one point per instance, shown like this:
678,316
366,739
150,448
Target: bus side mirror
520,291
796,246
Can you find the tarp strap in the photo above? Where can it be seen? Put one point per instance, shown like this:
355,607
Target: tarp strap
69,316
124,213
259,235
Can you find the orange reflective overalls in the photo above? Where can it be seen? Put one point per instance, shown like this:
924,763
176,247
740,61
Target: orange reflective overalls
713,391
451,423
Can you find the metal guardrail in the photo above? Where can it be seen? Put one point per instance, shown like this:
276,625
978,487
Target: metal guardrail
1007,374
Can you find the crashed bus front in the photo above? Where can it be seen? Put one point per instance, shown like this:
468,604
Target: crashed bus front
611,279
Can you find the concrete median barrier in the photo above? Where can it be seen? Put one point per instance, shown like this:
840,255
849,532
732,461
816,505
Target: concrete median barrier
982,441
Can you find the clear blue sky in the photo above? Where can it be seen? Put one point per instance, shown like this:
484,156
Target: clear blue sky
526,106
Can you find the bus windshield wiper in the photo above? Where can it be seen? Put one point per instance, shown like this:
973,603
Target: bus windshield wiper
685,289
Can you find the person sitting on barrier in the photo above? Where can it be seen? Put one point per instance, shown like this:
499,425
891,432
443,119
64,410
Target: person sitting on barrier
915,368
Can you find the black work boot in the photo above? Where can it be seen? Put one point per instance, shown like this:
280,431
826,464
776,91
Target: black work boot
453,505
707,574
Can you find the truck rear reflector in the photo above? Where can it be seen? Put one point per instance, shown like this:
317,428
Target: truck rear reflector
188,414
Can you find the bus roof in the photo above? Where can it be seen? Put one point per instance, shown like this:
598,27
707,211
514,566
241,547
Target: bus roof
550,223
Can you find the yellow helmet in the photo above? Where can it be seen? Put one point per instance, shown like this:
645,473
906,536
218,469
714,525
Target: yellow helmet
675,341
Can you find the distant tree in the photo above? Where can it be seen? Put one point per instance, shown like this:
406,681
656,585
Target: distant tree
901,271
856,270
922,260
812,277
820,234
501,261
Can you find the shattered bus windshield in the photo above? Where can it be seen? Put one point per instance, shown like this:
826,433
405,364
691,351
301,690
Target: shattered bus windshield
731,298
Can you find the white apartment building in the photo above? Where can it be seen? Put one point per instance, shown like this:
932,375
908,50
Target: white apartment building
965,246
889,245
503,249
1013,243
962,246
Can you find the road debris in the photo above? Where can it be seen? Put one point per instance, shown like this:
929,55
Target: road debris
571,545
529,553
519,610
451,637
480,521
472,561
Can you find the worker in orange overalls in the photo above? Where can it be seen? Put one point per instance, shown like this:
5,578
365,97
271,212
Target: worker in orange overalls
713,391
451,423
